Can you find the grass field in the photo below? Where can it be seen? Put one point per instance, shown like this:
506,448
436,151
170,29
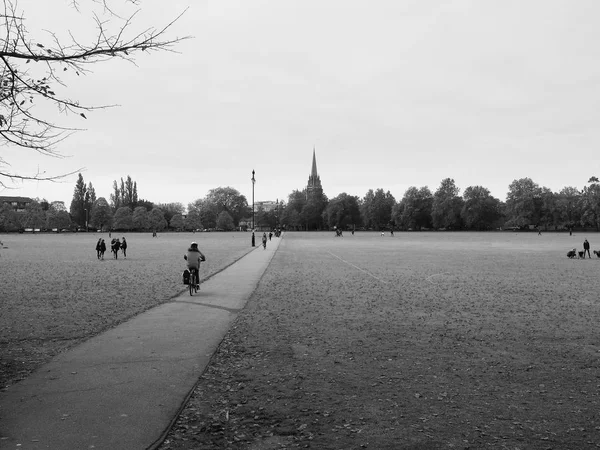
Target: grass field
54,292
420,341
424,340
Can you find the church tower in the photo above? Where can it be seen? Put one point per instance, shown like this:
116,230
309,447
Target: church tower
314,180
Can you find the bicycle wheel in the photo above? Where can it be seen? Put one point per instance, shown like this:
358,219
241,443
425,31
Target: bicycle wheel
192,281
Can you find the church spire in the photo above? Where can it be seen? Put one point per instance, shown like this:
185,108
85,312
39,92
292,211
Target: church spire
314,181
314,173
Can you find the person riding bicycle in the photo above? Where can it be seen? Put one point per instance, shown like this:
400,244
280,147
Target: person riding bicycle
194,257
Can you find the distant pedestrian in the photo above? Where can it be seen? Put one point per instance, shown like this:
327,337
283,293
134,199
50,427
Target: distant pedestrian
102,248
392,232
154,233
264,241
539,231
109,234
99,248
270,235
586,248
570,231
124,247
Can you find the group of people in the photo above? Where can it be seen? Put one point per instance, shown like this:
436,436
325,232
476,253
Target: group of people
276,233
115,246
586,249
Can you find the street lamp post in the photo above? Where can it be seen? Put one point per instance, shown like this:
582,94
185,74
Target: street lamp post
253,181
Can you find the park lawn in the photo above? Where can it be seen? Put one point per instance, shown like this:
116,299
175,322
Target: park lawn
54,292
420,341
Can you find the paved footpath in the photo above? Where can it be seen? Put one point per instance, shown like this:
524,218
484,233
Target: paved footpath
123,388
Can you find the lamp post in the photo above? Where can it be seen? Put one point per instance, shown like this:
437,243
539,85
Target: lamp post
253,181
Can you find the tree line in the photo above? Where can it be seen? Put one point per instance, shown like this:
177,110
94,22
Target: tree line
527,205
224,208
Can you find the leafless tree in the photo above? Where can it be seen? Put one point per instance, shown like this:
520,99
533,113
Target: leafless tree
31,69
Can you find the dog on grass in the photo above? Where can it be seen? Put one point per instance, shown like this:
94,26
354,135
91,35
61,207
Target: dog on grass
571,253
581,255
597,253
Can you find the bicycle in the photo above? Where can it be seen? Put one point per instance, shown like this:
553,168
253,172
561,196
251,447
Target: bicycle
194,281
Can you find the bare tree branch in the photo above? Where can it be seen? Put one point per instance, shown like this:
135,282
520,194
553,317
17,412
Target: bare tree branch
22,89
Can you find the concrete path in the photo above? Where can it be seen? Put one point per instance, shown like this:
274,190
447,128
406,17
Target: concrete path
123,388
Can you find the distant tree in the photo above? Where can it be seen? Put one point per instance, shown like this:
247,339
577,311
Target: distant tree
124,194
171,209
135,195
90,195
342,211
34,216
57,216
590,201
446,206
480,210
128,198
549,210
316,202
225,221
116,200
292,216
176,222
123,219
9,219
192,221
568,204
79,202
156,220
140,218
376,209
101,217
230,200
523,203
414,211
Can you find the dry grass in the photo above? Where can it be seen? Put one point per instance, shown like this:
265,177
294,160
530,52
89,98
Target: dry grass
421,341
54,292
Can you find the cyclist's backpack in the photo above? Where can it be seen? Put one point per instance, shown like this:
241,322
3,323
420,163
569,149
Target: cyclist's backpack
186,276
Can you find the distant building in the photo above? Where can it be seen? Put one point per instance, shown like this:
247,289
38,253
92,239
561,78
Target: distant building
17,203
268,205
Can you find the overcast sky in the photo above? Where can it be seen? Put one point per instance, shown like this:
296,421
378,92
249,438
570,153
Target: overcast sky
391,94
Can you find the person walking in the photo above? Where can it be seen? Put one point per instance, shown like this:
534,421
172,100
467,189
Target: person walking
102,248
264,241
124,247
270,235
586,248
98,248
